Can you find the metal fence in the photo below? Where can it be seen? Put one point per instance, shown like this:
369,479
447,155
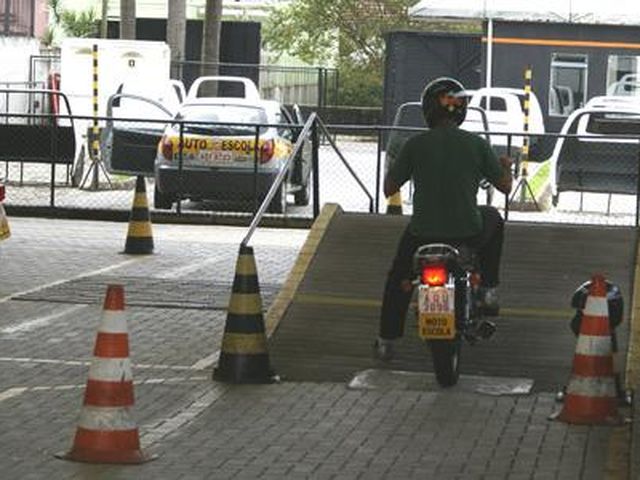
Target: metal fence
314,86
224,169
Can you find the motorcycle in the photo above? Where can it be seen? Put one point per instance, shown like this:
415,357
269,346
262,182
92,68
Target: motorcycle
449,307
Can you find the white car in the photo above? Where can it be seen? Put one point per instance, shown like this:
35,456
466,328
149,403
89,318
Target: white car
603,155
220,161
223,87
505,114
613,101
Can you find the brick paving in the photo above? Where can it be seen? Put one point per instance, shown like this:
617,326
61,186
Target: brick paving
202,429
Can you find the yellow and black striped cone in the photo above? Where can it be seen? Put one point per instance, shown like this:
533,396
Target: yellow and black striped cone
139,236
394,204
244,357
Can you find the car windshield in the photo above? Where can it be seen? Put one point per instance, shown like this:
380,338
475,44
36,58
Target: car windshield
614,124
247,116
411,116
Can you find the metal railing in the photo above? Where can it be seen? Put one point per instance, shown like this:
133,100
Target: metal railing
595,181
277,183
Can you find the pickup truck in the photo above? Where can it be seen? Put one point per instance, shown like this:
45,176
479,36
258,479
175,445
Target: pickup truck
505,114
603,155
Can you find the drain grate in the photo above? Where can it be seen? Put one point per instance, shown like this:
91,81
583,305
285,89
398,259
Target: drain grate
147,292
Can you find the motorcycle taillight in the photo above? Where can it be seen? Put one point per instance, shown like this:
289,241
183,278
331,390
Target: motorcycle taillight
434,275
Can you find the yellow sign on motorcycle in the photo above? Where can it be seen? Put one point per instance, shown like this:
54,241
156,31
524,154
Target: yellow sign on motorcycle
436,307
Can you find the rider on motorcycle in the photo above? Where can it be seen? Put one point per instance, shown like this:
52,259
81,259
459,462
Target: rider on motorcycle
446,165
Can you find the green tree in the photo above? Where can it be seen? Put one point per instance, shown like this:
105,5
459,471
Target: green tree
349,32
74,24
80,24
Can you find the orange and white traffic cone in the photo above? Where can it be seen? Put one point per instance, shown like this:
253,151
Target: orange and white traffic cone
591,394
106,431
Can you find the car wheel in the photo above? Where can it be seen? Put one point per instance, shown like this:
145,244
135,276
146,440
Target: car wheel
279,202
301,197
162,201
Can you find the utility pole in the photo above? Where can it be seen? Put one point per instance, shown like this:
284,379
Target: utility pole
128,19
104,20
211,37
176,34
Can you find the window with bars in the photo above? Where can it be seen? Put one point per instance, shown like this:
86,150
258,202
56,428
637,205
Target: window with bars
17,18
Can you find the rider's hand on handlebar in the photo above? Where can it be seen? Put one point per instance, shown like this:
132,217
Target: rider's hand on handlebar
506,162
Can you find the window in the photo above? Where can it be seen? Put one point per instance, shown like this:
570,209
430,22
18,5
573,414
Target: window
623,75
498,104
613,124
17,17
568,87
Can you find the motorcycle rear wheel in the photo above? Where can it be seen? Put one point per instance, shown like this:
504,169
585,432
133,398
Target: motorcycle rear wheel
446,361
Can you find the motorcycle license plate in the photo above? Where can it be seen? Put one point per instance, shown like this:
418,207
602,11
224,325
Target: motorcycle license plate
436,308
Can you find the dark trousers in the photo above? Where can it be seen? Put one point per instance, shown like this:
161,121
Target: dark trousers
397,296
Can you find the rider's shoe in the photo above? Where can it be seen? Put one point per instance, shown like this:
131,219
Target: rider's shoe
383,349
490,305
480,331
486,329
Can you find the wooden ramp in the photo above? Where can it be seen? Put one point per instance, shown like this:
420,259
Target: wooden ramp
328,313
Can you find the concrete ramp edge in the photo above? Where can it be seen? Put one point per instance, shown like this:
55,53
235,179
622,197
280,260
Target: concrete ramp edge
288,291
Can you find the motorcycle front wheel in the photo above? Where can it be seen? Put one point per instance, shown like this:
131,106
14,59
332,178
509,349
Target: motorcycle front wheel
446,361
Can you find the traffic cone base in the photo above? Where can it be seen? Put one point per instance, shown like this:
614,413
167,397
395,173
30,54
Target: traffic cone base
106,431
252,369
139,235
590,401
244,357
92,445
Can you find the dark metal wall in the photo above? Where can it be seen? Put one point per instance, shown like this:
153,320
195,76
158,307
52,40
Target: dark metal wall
511,59
239,43
415,58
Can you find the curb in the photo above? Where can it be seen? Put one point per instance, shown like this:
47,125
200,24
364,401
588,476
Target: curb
634,460
633,366
159,217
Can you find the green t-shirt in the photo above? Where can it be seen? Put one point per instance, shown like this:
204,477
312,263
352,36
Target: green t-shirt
446,165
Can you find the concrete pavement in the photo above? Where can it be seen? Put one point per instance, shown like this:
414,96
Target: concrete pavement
50,277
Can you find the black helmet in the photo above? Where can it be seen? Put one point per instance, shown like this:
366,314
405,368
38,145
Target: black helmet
444,98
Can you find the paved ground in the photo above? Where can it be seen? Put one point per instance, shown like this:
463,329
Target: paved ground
202,429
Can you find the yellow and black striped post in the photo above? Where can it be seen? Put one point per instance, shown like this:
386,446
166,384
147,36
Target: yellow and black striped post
526,108
139,236
394,204
95,141
523,186
244,357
